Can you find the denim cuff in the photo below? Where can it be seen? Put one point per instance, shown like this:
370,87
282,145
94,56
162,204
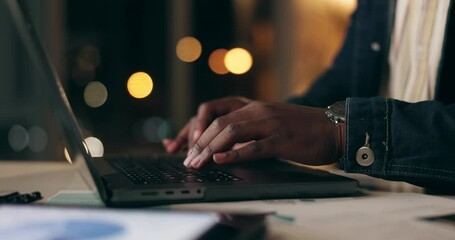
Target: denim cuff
366,116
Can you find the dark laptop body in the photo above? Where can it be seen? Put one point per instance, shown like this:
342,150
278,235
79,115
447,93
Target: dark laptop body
263,179
132,181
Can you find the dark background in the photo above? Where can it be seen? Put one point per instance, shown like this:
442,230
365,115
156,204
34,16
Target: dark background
119,38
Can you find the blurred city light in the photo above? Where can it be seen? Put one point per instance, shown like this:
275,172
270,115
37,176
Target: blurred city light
95,94
155,129
140,85
18,137
38,139
238,61
150,129
216,61
95,146
188,49
164,130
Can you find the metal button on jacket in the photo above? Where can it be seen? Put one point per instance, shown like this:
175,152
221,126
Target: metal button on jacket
365,156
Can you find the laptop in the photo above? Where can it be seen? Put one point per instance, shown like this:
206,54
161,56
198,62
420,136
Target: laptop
131,180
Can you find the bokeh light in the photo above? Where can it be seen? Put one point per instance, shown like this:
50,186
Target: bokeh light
155,129
140,85
18,137
38,139
188,49
216,61
95,146
95,94
150,129
164,130
238,61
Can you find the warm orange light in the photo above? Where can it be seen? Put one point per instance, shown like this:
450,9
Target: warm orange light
216,61
238,61
188,49
140,85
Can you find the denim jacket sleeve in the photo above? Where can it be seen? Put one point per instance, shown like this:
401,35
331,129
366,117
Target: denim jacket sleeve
357,70
412,142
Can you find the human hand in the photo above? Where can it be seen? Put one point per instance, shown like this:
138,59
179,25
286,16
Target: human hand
292,132
207,112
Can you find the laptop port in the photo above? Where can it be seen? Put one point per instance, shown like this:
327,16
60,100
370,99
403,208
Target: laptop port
149,193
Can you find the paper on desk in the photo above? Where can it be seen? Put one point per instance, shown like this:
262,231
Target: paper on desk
43,222
392,215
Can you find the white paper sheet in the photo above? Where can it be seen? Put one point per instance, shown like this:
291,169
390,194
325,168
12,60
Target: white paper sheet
39,223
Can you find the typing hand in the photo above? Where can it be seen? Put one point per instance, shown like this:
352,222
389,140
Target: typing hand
286,131
207,112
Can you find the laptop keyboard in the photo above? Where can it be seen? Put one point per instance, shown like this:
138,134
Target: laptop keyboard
146,171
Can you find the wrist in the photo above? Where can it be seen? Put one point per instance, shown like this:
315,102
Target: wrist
336,114
341,140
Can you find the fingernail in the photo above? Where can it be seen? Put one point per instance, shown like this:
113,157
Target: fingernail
187,161
196,161
189,158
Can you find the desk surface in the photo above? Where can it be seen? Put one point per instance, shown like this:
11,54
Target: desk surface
377,215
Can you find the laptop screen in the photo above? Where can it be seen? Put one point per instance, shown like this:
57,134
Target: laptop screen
77,149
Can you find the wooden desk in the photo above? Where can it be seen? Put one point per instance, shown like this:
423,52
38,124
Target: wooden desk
46,177
376,215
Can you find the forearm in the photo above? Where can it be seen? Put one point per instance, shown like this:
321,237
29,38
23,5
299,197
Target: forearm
410,142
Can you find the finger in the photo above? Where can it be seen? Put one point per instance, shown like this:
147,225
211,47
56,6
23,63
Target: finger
166,142
214,129
233,133
253,151
250,111
192,128
205,115
208,111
